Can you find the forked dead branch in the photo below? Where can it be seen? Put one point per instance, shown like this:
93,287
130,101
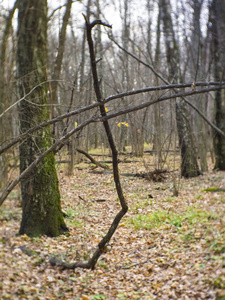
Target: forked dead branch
102,246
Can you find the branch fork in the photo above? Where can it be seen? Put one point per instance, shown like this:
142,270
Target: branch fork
124,207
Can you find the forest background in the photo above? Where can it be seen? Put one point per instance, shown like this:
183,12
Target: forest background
155,56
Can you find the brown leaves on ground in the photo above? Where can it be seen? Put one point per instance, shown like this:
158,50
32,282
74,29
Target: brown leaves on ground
165,248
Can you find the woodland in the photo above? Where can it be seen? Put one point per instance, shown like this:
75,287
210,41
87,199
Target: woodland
112,149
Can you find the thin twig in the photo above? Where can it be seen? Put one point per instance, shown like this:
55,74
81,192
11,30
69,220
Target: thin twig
25,96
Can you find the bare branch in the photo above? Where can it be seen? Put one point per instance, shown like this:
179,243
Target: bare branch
164,87
167,82
24,97
160,99
89,26
139,60
40,158
98,164
121,95
24,135
58,8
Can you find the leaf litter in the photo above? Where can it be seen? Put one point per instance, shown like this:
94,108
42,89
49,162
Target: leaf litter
165,247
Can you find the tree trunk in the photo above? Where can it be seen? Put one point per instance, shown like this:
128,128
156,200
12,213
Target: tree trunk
196,68
58,63
158,112
218,20
5,125
189,165
40,192
137,133
59,58
125,83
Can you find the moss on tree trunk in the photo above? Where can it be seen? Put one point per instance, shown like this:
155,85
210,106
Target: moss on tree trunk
40,191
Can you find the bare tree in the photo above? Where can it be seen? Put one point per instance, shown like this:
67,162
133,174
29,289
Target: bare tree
218,21
197,73
189,165
59,57
5,123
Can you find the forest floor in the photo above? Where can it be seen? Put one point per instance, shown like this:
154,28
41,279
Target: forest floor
166,247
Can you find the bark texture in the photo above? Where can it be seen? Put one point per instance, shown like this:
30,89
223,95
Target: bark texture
189,165
218,20
40,192
60,54
5,123
196,73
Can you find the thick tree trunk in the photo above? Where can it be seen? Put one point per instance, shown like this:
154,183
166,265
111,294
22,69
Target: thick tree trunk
218,18
189,165
40,192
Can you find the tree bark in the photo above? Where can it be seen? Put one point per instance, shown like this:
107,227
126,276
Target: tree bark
218,20
40,192
5,125
158,118
58,62
59,58
196,73
189,165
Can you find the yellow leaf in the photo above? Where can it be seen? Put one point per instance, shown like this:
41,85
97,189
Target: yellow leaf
84,297
106,109
25,237
121,224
